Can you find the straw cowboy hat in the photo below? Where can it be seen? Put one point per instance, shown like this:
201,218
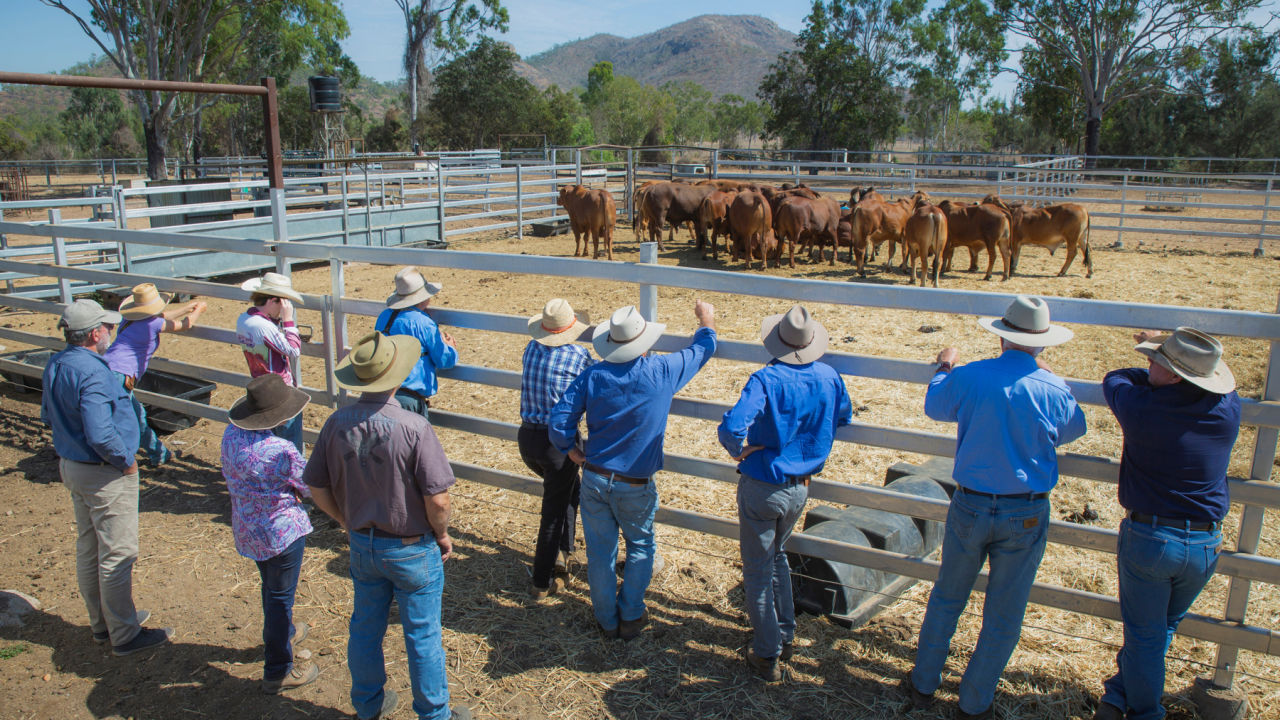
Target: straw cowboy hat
378,362
558,324
794,337
411,289
625,336
145,302
267,403
272,284
1026,323
1192,356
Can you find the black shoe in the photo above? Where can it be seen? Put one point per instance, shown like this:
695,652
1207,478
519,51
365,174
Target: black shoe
147,639
788,649
630,629
984,715
390,701
102,638
918,699
297,677
765,668
608,633
1107,711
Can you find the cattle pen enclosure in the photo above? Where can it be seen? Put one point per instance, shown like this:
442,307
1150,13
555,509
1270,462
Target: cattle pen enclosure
516,661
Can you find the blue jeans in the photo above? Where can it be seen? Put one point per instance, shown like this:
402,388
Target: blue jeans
1162,570
766,515
607,506
380,569
413,403
291,430
279,584
1010,533
148,441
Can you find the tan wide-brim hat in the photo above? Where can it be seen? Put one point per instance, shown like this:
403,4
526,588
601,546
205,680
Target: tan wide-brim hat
557,324
411,289
1193,356
1026,323
272,284
625,336
268,402
794,337
145,302
378,362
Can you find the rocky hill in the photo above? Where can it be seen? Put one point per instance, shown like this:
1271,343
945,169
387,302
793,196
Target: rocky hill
723,53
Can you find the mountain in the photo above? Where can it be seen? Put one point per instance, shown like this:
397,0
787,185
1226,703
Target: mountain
723,53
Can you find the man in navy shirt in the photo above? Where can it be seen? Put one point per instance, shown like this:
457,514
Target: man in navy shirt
626,400
788,414
1180,418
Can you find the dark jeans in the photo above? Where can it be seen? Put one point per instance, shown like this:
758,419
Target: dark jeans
279,583
291,430
413,403
560,486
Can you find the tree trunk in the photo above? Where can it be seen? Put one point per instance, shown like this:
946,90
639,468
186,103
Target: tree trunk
155,138
1092,137
197,137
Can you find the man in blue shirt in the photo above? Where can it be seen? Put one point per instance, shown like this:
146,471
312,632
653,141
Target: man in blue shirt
788,414
406,314
1012,412
95,433
1180,418
626,400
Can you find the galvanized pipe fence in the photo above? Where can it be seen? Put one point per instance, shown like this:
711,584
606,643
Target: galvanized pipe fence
1230,629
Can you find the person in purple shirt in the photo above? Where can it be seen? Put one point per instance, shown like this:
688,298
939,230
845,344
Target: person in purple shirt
788,414
1180,418
137,339
626,400
264,479
1012,412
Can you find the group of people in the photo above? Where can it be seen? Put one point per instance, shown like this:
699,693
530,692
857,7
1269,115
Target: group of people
379,471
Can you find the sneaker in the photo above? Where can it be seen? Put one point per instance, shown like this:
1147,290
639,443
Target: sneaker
765,668
540,594
147,639
459,712
297,677
390,701
630,629
102,638
918,699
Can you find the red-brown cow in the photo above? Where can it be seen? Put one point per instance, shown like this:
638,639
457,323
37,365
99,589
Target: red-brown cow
674,203
751,220
875,221
713,213
591,212
1048,227
925,234
808,220
975,227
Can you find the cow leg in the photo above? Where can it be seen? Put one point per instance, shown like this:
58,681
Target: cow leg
577,239
791,252
973,259
595,244
937,265
1071,255
608,242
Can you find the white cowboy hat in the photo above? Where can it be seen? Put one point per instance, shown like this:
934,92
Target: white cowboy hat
1026,323
145,302
625,336
411,289
557,324
272,284
378,362
794,337
1193,356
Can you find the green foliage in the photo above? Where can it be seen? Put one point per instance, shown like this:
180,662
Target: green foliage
13,145
734,119
692,112
598,78
11,651
479,95
391,135
961,48
97,124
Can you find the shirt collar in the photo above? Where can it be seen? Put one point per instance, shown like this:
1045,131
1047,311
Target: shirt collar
382,398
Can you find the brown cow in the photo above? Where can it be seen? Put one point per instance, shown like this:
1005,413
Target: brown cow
1049,227
591,211
875,221
974,227
799,218
726,185
713,212
674,203
925,234
751,220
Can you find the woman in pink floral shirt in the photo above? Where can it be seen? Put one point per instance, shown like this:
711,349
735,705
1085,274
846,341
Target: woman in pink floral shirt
263,474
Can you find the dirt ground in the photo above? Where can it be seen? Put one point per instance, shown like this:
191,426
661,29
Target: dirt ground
508,659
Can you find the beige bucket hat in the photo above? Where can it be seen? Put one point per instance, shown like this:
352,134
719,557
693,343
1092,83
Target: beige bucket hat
145,302
1026,323
558,324
1193,356
794,337
625,336
411,289
273,284
378,362
267,403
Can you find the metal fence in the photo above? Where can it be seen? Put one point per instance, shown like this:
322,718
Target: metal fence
1255,494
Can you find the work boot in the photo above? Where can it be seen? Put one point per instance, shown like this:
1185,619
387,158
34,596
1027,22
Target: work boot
765,668
918,699
984,715
630,629
1107,711
390,701
788,649
296,677
538,594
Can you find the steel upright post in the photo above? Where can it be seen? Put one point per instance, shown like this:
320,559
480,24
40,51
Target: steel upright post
649,293
1262,231
519,201
60,258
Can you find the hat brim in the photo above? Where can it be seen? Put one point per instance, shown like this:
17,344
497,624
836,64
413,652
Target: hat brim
1055,335
1221,382
426,292
408,352
241,416
254,285
563,337
782,352
130,311
616,352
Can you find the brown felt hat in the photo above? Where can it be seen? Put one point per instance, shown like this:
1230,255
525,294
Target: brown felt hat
378,362
794,337
267,403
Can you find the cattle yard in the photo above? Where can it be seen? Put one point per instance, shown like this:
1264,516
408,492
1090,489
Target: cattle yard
508,659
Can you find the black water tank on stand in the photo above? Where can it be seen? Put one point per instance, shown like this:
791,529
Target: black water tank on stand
326,93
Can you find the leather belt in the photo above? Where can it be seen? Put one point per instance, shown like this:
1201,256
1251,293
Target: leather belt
801,479
613,475
416,394
406,539
1201,525
1016,496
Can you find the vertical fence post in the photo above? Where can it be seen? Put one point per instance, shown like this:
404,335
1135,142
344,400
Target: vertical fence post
1124,196
279,230
519,201
440,197
715,163
330,357
114,181
631,184
1262,231
4,245
60,258
346,210
577,161
649,293
337,341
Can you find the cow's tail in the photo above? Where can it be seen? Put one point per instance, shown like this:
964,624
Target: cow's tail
1088,259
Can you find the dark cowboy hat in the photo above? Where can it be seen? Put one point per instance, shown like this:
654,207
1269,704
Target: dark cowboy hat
268,402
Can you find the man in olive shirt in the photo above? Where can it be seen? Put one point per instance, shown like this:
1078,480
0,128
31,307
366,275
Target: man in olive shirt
379,470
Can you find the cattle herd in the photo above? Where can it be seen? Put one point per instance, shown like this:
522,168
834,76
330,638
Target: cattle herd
759,221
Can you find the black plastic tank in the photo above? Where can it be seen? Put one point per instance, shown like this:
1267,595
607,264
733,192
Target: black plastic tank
326,93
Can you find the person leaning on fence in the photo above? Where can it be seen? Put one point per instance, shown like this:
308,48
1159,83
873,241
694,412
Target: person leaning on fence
550,363
1180,418
626,400
95,434
787,416
137,340
1012,412
269,336
379,471
406,314
269,522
